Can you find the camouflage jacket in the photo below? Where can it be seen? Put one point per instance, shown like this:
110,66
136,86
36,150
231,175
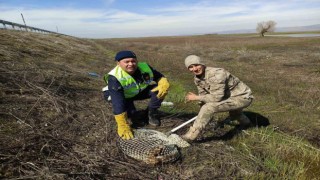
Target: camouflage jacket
218,85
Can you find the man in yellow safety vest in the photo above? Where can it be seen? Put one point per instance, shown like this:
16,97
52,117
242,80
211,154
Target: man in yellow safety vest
131,80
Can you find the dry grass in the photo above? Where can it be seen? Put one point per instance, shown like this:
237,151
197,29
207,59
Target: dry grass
284,73
54,123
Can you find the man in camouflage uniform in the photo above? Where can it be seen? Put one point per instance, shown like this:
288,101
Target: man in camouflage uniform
219,91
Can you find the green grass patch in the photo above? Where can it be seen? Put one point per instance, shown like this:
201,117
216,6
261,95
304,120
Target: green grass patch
279,154
177,93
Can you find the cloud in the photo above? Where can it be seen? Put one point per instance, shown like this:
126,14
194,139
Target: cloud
177,19
108,1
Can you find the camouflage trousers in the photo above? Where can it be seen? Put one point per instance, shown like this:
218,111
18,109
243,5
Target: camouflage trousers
234,105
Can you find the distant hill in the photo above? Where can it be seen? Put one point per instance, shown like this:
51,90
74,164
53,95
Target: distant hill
315,27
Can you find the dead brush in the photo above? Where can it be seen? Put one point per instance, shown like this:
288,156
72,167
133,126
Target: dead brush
54,123
54,141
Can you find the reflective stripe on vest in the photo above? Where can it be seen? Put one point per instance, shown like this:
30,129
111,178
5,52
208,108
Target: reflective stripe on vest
130,86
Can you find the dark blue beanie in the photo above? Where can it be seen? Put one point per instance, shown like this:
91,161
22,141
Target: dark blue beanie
125,54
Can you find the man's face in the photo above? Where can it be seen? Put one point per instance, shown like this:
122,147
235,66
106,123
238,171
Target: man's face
196,69
128,64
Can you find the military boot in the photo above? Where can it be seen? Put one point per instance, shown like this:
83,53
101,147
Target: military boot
153,117
191,135
244,122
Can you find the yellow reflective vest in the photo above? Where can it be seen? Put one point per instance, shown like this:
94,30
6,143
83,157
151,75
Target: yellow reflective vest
130,86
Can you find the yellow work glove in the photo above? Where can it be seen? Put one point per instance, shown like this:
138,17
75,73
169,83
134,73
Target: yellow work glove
162,88
124,130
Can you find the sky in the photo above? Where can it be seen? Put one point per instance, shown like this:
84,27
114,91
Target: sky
144,18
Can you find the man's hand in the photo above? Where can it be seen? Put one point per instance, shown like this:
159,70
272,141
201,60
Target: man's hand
162,88
192,97
124,130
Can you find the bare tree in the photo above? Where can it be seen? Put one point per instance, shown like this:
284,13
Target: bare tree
263,27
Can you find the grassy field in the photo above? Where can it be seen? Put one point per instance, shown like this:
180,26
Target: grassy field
54,123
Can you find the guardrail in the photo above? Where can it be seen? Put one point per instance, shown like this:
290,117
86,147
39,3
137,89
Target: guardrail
21,27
